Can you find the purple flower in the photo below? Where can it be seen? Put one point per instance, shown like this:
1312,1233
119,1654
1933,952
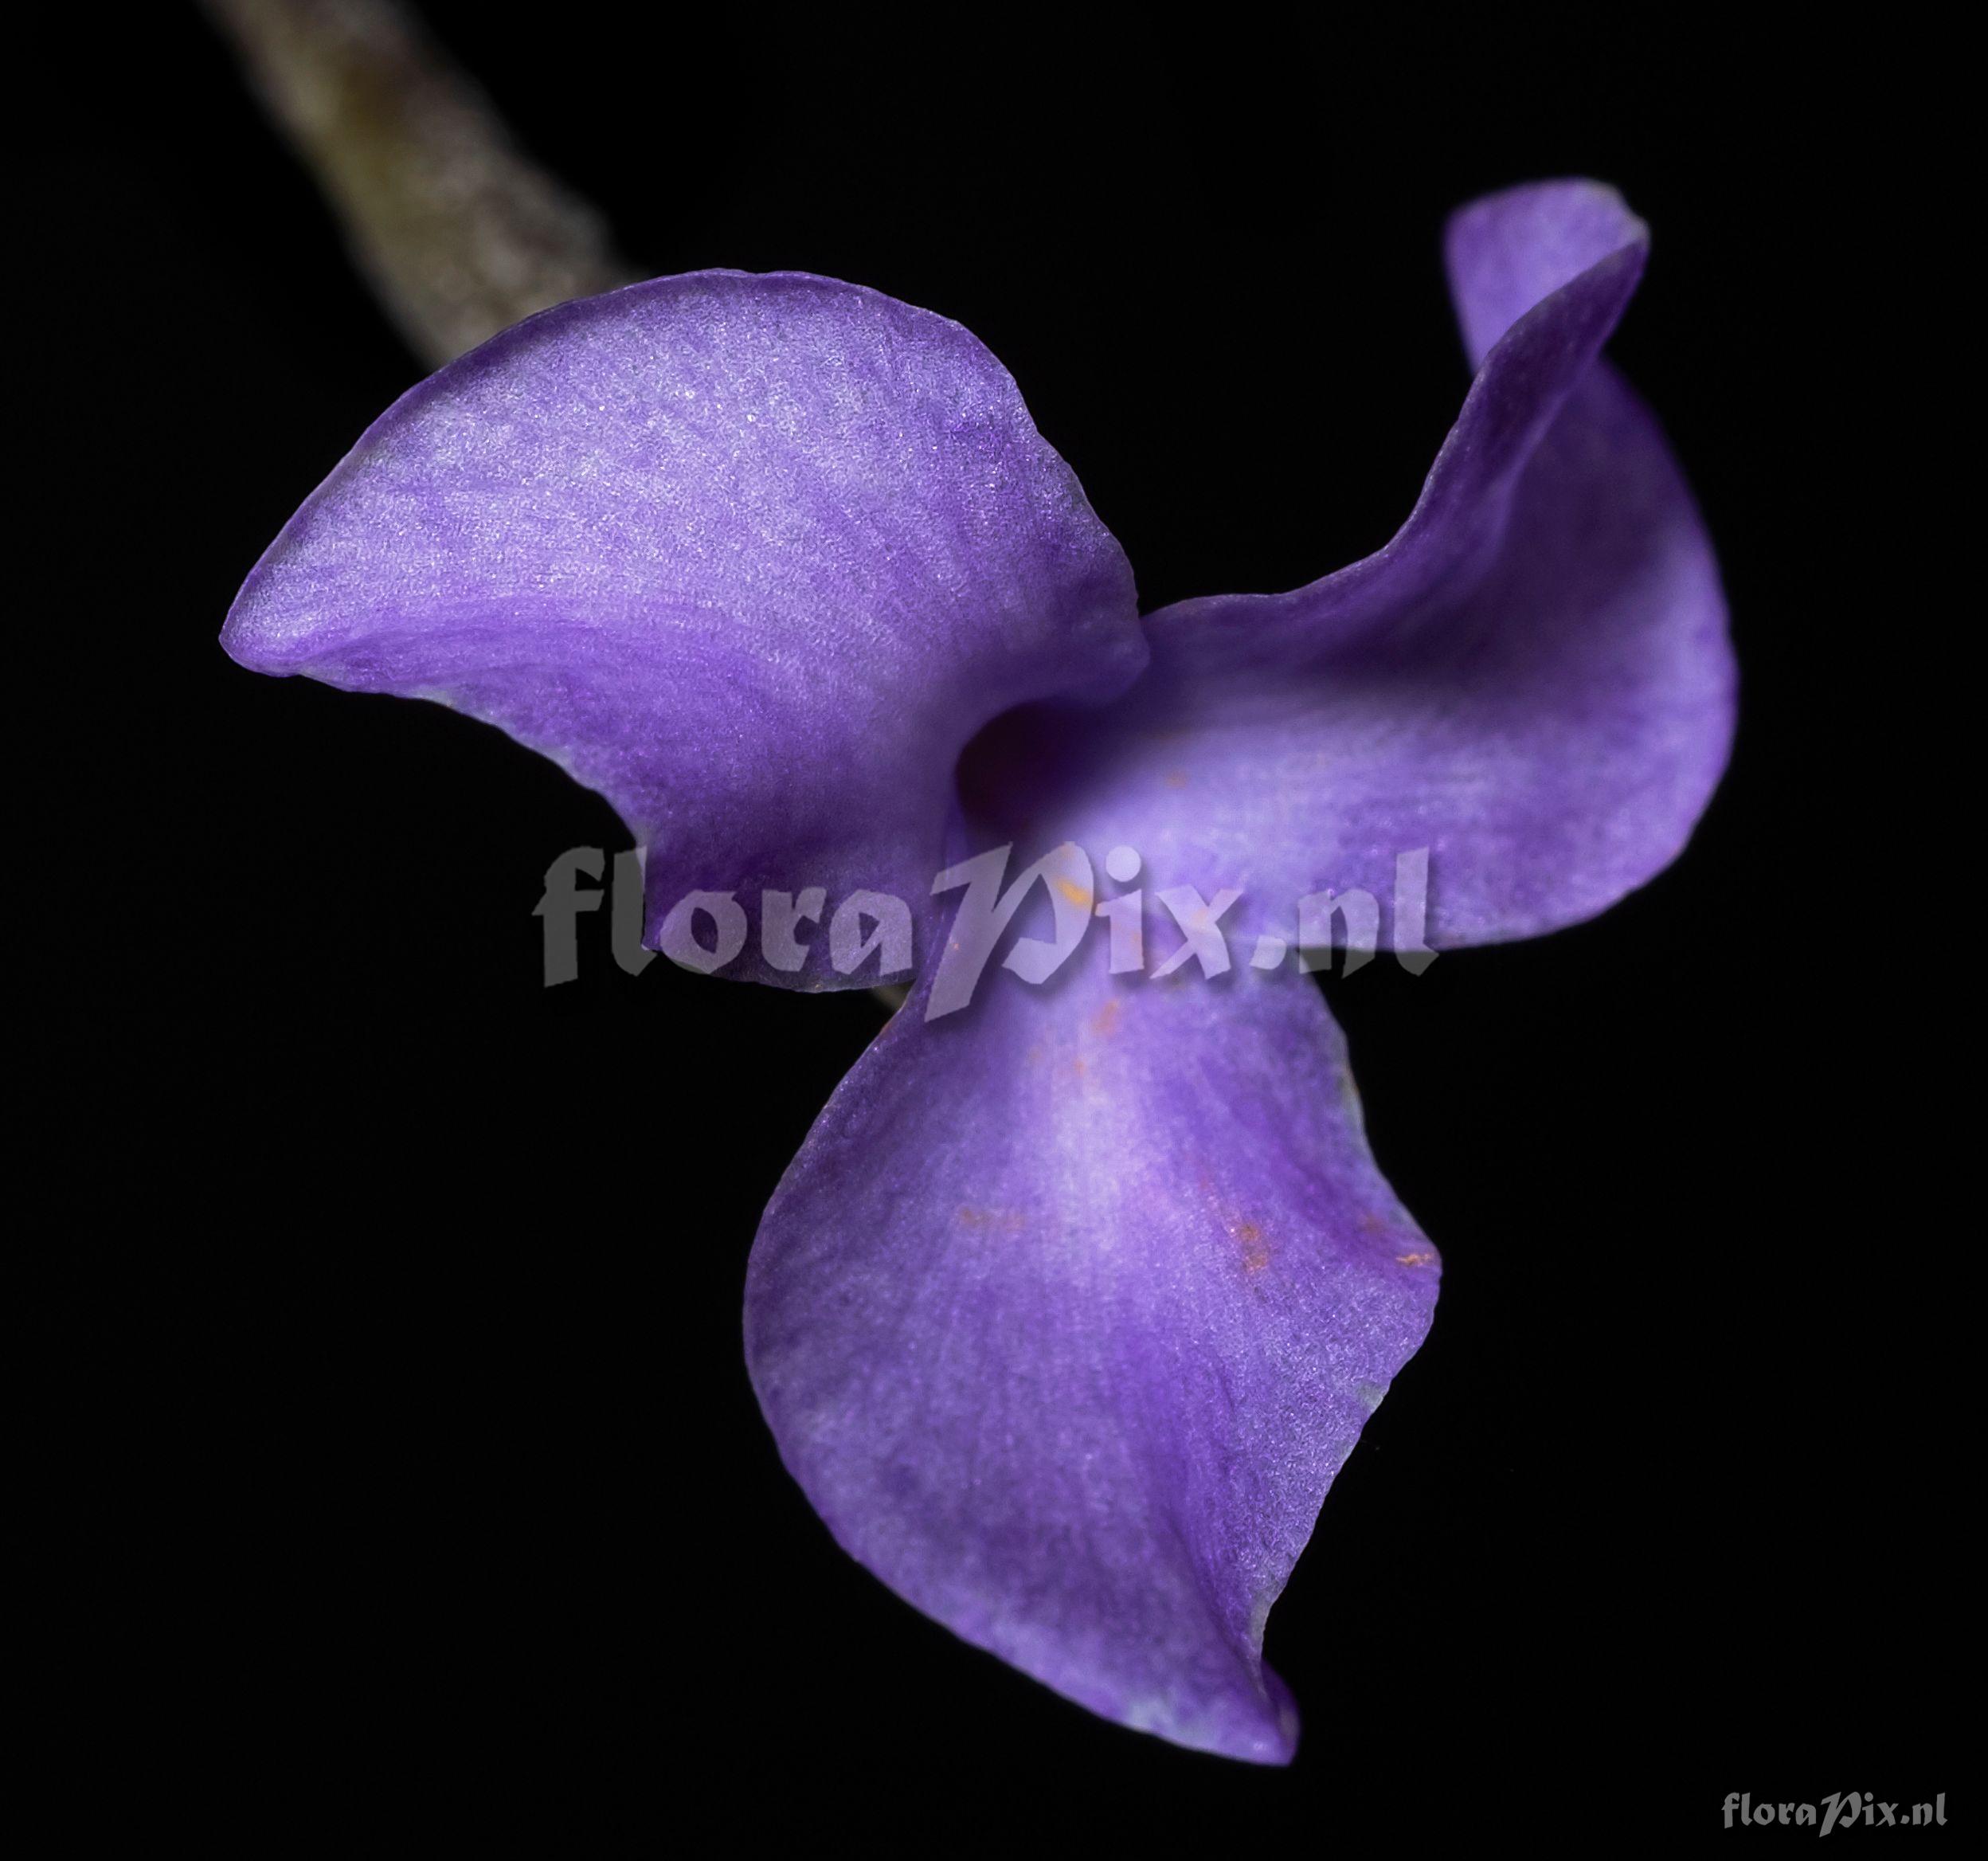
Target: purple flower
1071,1305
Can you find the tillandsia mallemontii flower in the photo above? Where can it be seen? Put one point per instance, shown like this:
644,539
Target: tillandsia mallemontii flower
1071,1305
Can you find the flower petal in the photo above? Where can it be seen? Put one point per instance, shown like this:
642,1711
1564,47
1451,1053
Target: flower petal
754,556
1068,1312
1533,681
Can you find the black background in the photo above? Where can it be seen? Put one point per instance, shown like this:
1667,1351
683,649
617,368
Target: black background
470,1516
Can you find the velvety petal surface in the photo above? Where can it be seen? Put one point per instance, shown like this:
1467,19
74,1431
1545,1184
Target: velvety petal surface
1532,681
752,556
1068,1312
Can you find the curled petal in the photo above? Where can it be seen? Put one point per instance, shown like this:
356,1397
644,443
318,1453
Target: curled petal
754,556
1068,1312
1532,683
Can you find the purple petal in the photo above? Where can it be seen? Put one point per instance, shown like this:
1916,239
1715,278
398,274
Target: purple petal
754,556
1533,681
1068,1312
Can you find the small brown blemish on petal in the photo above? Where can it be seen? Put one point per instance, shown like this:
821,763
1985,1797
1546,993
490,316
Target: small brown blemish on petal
1176,779
1248,1236
1105,1021
1370,1223
1075,893
1415,1259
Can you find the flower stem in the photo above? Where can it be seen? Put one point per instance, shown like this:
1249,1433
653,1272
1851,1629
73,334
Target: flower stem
459,234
